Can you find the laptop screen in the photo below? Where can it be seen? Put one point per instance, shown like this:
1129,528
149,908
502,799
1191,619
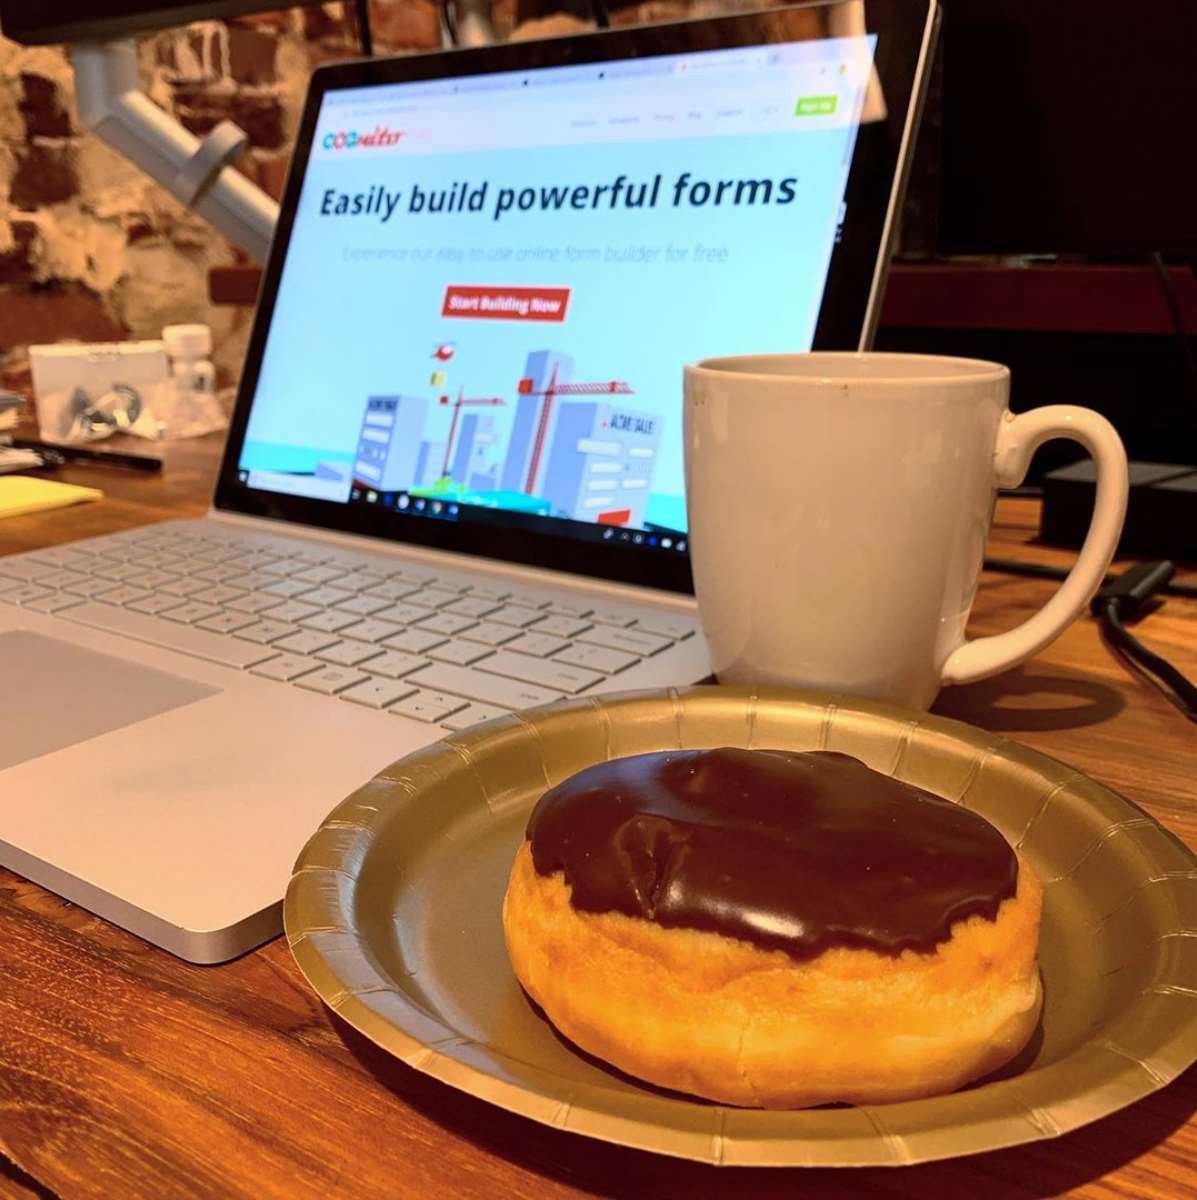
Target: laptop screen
491,281
492,265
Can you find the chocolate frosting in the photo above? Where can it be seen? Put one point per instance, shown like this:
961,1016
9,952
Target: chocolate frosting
790,851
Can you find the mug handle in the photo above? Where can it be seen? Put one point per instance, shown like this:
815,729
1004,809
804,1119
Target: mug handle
1018,438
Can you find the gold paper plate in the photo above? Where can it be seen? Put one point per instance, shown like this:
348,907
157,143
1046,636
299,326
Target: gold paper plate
393,917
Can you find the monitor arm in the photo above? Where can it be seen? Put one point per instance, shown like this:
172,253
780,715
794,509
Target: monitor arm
195,171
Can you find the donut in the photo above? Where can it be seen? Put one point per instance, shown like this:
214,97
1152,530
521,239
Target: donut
775,929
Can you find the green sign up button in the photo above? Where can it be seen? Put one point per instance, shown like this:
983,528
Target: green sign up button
815,106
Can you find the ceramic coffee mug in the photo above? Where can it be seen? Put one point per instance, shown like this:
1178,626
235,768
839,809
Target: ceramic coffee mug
839,506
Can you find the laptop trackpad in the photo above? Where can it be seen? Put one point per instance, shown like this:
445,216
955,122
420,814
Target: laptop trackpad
57,694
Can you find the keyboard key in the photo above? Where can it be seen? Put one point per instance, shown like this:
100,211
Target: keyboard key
266,631
317,575
363,581
24,569
451,583
155,603
536,670
126,593
472,606
432,597
473,685
326,596
540,645
330,680
446,622
630,640
486,591
186,587
190,612
666,625
610,615
377,693
216,559
414,641
286,667
54,557
220,594
160,560
286,588
284,568
253,603
186,638
427,706
54,602
89,587
596,658
393,589
155,579
249,581
372,629
419,575
349,654
402,614
394,664
311,554
459,652
515,614
490,634
472,714
363,606
63,578
290,610
560,626
226,622
305,641
328,621
348,562
120,571
529,599
216,574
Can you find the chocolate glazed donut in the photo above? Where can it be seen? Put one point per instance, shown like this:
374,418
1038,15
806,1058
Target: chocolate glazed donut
775,928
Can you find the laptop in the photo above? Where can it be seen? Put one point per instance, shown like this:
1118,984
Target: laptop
453,482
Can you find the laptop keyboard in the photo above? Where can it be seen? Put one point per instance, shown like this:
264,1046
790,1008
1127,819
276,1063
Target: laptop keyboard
447,648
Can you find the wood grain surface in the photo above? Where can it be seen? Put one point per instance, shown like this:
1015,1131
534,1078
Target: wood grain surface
127,1073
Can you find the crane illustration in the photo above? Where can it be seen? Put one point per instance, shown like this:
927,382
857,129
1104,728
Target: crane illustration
612,387
461,402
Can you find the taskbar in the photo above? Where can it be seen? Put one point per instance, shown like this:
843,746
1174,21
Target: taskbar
442,508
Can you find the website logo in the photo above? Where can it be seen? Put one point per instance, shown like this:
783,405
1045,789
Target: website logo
351,139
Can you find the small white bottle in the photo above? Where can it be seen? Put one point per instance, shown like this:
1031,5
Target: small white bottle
189,347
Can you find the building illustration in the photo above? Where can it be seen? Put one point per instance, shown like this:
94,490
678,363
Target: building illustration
601,462
389,443
573,449
533,413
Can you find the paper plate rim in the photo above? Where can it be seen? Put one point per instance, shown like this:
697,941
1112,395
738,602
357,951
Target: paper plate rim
338,963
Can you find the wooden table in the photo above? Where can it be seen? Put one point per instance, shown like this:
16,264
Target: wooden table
127,1073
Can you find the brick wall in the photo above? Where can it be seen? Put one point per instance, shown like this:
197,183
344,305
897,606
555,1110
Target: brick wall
89,247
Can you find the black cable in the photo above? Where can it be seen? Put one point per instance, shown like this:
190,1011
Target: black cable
1131,596
364,36
1161,668
1172,299
1008,566
602,18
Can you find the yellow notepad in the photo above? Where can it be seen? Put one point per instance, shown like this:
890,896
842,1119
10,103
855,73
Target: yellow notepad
20,494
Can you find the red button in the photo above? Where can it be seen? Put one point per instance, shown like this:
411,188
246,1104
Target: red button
497,303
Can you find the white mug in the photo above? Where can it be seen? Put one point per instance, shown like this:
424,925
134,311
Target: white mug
839,506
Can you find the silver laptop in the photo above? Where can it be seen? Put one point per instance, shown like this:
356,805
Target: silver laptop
453,486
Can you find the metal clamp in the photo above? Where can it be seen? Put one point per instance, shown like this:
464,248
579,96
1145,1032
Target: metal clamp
216,151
